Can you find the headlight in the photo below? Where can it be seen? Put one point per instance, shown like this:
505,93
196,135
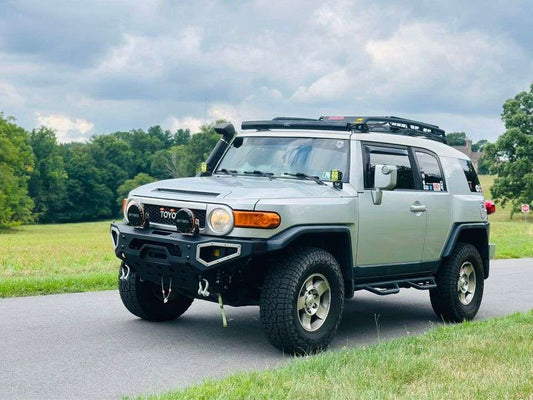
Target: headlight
220,221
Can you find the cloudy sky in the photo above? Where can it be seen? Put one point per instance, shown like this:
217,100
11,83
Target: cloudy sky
90,67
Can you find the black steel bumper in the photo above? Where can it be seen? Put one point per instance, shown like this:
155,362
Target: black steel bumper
156,254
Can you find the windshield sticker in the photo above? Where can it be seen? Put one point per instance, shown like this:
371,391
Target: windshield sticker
340,144
326,175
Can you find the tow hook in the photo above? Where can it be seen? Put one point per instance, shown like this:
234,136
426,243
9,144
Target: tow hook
201,290
166,295
124,272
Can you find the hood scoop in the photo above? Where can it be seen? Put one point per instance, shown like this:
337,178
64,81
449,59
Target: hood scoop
187,192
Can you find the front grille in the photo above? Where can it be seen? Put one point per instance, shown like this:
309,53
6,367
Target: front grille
154,215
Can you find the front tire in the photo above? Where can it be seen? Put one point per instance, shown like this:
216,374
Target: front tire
302,300
144,300
460,282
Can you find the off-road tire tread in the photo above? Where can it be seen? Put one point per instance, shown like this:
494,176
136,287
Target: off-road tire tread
444,299
139,302
277,294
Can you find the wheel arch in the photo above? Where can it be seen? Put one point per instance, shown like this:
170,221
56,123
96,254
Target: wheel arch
476,234
335,239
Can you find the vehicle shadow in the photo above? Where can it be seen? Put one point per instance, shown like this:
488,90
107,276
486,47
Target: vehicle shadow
367,319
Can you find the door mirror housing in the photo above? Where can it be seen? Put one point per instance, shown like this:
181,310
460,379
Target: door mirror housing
385,178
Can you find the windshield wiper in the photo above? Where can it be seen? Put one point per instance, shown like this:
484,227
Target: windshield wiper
268,175
301,175
231,172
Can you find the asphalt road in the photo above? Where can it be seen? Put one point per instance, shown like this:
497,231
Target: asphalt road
87,345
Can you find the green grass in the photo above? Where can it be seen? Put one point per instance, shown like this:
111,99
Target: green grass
492,359
44,259
513,238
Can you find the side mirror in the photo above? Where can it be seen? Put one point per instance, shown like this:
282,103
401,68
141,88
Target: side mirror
385,178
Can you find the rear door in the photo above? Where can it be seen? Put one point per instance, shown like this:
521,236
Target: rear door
391,234
437,199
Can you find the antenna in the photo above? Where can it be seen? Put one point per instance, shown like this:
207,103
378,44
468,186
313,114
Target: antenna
205,111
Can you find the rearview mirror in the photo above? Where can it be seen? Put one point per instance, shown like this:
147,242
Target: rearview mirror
385,178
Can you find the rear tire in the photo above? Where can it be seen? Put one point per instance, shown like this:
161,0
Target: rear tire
460,282
144,300
302,300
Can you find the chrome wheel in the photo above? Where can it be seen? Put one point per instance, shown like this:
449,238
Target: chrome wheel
314,301
466,285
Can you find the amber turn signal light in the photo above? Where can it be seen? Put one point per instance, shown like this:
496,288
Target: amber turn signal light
256,219
124,202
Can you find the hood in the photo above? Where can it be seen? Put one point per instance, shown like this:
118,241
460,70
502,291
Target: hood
215,188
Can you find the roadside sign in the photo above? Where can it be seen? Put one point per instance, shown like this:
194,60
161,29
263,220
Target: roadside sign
525,208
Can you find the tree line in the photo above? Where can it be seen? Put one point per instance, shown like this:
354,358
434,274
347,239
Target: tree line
44,181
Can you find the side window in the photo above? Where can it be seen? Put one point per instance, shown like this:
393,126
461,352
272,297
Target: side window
430,172
389,156
471,176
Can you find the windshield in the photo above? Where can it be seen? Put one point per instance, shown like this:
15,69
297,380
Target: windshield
287,155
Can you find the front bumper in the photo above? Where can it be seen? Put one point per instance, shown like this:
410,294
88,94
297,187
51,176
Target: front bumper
155,254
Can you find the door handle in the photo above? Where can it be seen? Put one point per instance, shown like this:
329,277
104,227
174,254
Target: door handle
418,208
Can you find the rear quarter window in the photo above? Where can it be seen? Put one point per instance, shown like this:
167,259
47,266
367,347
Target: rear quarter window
471,176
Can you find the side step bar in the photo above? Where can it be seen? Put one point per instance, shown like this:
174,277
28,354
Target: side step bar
393,287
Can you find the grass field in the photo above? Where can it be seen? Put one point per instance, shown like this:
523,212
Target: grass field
481,360
44,259
513,238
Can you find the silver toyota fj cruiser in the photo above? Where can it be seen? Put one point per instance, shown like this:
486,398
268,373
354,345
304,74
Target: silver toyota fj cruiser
295,215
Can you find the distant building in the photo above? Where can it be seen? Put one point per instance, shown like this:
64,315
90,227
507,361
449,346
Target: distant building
474,155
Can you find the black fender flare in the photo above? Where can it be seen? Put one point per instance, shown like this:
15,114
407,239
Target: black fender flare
343,254
483,246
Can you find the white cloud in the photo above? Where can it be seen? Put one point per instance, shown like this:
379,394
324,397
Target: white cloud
213,113
67,129
151,55
329,87
173,124
138,64
9,94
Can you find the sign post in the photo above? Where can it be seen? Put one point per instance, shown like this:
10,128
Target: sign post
525,210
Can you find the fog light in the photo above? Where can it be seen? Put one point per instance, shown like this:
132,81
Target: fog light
135,215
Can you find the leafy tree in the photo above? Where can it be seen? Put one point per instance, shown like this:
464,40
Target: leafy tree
182,137
16,165
48,181
88,196
81,181
200,146
144,144
484,165
480,145
114,158
511,157
130,184
456,138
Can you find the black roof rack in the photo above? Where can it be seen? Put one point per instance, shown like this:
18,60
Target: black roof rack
293,119
392,125
282,123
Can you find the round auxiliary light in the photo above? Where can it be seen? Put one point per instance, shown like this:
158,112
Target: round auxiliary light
186,222
135,214
220,221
